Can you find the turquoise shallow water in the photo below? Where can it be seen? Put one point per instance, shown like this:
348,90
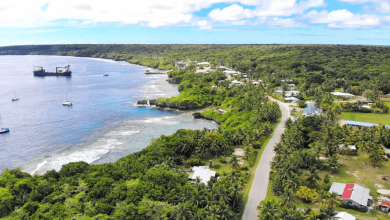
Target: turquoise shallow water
103,125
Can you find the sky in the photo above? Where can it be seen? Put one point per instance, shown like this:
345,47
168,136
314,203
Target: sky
26,22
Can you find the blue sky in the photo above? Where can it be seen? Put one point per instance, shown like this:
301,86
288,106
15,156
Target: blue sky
24,22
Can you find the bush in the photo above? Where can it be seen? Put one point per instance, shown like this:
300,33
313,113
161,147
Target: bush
354,207
217,166
302,104
257,145
195,161
222,159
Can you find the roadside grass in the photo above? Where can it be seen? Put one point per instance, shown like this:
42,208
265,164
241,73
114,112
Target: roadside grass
252,171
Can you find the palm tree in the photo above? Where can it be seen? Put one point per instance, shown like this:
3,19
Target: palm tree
247,150
183,212
313,177
225,212
376,156
214,212
328,211
344,150
234,161
269,209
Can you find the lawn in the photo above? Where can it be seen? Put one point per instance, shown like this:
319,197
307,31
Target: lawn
357,169
376,118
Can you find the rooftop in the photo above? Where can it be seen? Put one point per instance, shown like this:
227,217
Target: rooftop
352,192
344,216
203,172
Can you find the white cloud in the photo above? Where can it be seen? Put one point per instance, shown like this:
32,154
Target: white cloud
286,7
231,13
343,19
280,22
382,7
204,24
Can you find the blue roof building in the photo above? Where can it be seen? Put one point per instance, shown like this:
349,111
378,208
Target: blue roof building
363,124
311,111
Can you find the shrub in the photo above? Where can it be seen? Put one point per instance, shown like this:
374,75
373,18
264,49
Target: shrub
222,159
217,166
302,104
354,207
257,145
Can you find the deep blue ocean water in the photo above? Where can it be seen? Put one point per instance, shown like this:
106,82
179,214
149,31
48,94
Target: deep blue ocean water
103,124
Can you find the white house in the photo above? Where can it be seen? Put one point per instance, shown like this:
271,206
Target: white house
291,99
342,94
203,63
203,172
291,93
343,216
351,193
310,104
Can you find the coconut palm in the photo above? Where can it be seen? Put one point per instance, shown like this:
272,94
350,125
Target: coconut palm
269,209
344,150
234,161
312,177
376,156
183,212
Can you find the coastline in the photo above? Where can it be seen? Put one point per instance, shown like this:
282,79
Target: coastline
118,139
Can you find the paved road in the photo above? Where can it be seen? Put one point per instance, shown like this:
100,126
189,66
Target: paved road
260,182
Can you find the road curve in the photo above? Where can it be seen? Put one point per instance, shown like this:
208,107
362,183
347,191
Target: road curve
258,191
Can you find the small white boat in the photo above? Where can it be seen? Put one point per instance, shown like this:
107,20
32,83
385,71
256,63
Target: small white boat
68,103
15,98
3,130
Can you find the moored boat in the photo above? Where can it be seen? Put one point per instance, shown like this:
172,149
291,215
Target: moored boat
3,130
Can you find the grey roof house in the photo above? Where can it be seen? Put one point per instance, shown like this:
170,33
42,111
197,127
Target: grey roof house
311,111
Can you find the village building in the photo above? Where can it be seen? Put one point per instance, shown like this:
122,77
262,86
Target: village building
291,99
310,104
311,111
291,93
204,63
351,193
384,204
343,216
362,124
352,149
203,173
342,94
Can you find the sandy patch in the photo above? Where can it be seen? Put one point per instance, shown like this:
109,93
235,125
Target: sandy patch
239,152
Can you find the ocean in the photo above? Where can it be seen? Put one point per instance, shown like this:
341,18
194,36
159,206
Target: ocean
104,123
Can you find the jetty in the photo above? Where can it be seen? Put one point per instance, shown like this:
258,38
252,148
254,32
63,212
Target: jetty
154,72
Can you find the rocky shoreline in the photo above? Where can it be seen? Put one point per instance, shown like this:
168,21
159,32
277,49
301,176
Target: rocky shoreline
164,104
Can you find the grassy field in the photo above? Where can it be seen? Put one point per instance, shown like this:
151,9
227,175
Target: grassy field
357,169
376,118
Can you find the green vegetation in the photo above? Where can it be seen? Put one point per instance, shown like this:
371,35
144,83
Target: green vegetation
308,160
152,183
376,118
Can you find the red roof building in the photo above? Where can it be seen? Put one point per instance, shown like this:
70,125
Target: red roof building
351,193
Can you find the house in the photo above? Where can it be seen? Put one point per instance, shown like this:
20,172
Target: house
351,193
384,204
255,83
362,124
310,104
342,94
291,85
291,93
352,149
291,99
278,91
203,172
203,63
367,102
231,72
311,111
343,216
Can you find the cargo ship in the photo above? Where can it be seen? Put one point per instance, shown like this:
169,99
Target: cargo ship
60,71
